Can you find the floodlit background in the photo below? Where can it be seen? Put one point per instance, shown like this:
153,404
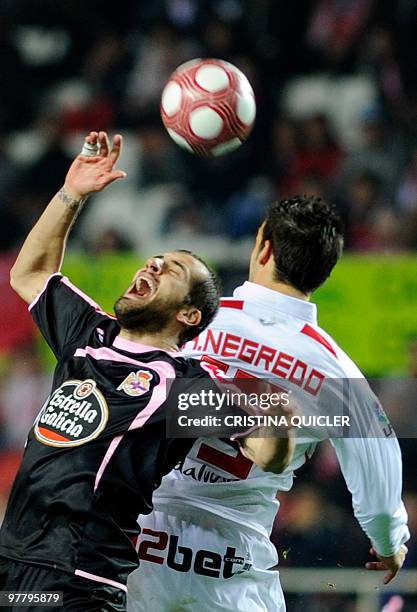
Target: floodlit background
336,91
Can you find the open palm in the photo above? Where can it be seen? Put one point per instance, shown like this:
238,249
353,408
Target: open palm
89,174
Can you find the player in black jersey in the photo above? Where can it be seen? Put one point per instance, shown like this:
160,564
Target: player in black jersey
98,448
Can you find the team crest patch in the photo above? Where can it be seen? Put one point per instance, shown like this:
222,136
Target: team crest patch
137,383
75,413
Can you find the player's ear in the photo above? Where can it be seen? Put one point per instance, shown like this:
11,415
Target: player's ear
189,316
265,253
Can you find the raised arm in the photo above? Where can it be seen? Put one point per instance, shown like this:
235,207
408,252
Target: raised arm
43,250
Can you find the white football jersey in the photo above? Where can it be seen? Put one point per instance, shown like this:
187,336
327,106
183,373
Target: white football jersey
273,336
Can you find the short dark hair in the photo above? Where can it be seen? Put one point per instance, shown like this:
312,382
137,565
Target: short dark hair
205,295
307,240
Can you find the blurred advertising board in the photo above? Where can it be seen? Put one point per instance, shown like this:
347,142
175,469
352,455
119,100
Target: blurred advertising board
369,305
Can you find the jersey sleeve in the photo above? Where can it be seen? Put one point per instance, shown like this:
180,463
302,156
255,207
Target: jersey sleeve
62,313
371,464
373,473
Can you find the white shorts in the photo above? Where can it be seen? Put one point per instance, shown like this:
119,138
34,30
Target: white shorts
198,562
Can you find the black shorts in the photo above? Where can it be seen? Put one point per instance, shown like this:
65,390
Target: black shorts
80,595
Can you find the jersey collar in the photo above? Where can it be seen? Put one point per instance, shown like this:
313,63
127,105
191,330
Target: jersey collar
291,306
137,347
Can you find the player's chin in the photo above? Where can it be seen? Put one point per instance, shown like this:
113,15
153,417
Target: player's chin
130,302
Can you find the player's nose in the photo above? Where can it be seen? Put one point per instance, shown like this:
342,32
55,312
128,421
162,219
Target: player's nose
154,265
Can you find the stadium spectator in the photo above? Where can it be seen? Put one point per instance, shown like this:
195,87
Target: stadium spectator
381,154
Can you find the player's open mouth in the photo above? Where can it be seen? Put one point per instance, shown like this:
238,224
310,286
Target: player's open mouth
143,287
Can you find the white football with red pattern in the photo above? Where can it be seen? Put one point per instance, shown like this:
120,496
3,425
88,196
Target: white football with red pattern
208,107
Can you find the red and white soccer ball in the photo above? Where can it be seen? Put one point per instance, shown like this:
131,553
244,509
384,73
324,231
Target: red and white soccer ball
208,107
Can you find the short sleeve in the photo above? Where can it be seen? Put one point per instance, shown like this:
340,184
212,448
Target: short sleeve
63,313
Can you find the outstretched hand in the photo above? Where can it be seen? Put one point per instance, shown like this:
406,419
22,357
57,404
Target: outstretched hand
391,565
88,174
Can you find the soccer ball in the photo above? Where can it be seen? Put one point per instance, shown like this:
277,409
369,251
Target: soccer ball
208,107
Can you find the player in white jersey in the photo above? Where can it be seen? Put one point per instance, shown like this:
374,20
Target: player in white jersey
206,546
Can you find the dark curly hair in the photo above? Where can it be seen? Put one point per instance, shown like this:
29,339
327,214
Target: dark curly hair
307,240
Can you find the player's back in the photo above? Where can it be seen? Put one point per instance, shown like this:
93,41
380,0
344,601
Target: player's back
265,334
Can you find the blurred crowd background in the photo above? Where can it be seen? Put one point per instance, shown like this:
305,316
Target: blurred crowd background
336,90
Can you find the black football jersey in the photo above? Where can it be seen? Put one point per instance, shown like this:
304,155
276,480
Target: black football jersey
98,448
